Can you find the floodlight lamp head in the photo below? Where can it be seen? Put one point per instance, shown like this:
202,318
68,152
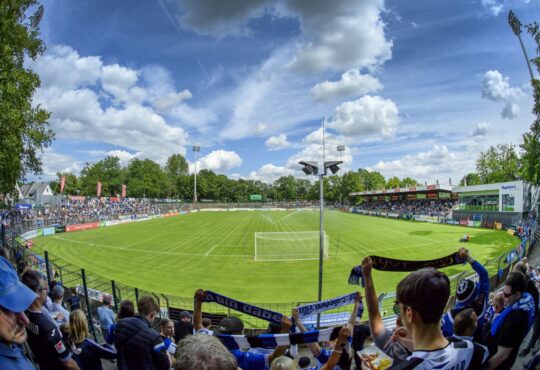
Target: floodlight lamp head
333,165
309,167
514,22
307,170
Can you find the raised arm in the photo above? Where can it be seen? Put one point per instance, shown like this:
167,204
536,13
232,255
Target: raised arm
313,347
376,324
341,342
286,325
197,309
354,313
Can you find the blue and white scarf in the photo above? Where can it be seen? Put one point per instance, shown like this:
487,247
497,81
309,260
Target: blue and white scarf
245,342
259,312
328,304
525,303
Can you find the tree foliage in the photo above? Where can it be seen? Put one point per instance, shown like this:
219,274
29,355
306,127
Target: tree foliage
25,131
498,164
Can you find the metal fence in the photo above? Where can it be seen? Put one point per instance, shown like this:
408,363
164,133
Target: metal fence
91,287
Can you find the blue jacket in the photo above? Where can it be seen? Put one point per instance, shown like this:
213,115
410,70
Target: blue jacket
481,288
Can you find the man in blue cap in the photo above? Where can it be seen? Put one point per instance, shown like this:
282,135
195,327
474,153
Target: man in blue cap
15,297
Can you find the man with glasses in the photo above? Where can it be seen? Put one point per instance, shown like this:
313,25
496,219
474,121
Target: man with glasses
422,297
15,297
139,346
510,327
44,337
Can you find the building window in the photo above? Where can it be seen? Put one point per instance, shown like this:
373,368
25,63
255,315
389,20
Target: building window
508,203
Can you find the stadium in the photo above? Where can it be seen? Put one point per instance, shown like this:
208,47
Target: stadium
190,185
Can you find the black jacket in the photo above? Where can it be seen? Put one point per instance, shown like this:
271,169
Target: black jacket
139,346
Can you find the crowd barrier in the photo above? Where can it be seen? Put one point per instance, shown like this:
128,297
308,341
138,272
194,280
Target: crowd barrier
91,287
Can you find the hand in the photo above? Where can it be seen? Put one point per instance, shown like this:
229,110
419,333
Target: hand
463,254
59,316
358,297
200,295
399,332
367,265
344,335
286,324
295,315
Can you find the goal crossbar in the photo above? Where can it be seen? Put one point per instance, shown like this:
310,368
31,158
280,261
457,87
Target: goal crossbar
289,245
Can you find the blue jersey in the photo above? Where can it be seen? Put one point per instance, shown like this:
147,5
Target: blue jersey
11,357
250,361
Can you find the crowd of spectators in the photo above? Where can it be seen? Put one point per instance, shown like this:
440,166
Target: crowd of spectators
426,207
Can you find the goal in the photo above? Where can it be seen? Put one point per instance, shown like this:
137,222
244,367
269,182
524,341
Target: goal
287,246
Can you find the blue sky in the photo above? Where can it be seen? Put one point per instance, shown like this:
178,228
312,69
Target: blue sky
415,88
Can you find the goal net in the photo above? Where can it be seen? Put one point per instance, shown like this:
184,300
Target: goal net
283,246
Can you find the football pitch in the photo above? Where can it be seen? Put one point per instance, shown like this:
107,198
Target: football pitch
215,251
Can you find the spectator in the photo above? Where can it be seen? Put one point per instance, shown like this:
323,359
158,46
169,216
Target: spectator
87,353
469,294
105,313
304,362
167,333
73,301
14,299
183,327
421,313
465,324
202,351
510,327
283,363
44,337
59,313
232,325
398,347
530,288
127,309
496,307
138,345
206,323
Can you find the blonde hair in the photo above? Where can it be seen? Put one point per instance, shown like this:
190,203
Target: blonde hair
78,327
283,363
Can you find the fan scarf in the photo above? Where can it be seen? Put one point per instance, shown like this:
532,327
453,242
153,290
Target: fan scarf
390,264
276,317
245,342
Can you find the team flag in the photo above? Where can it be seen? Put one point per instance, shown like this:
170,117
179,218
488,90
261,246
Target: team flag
124,190
62,183
98,189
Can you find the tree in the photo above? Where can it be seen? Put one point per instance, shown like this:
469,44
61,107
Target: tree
145,178
372,180
351,182
71,186
470,179
25,130
108,171
286,188
407,182
175,167
530,148
393,182
498,164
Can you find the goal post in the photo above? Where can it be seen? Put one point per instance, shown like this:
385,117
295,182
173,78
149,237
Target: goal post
289,246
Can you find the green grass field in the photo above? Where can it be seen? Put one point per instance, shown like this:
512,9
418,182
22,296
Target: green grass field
215,250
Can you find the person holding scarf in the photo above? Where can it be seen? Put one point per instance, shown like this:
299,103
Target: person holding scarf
510,327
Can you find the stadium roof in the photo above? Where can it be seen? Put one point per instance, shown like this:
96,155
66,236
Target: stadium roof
410,189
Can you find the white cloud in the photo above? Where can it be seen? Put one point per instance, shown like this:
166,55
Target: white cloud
117,81
218,161
278,142
497,88
313,153
352,83
62,67
171,100
270,173
123,155
329,28
54,162
481,129
367,116
439,163
494,7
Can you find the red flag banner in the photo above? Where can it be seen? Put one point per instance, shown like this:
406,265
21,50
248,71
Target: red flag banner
124,190
62,183
98,189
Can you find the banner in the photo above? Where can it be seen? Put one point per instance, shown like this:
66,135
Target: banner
62,183
29,234
23,206
81,198
49,231
246,308
98,190
80,227
59,229
326,305
124,187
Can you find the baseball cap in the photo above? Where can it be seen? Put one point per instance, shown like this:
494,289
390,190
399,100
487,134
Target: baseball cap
231,325
14,295
184,315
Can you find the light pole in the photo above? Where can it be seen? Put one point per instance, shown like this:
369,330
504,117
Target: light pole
340,149
196,149
515,24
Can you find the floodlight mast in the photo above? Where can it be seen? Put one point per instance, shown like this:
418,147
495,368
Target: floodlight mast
515,24
312,168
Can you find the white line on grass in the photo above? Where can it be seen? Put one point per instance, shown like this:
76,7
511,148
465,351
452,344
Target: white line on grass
210,250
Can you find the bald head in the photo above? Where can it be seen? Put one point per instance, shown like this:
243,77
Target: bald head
498,301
